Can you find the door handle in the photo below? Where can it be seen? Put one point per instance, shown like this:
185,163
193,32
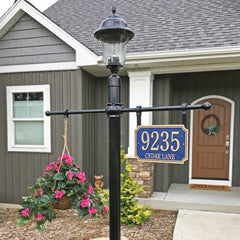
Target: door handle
227,147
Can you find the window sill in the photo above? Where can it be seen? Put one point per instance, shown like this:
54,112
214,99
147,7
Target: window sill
40,149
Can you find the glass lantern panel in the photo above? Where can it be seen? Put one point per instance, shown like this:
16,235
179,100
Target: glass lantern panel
114,53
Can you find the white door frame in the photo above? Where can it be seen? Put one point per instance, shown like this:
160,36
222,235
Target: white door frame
207,181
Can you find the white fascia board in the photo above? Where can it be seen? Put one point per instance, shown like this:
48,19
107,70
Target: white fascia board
84,56
39,67
187,54
188,60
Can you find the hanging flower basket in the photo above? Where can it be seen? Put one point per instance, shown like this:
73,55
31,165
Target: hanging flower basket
62,186
63,203
61,189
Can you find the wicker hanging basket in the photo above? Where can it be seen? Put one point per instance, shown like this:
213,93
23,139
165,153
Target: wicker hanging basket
63,203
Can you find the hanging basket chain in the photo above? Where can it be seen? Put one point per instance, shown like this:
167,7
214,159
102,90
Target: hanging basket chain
65,148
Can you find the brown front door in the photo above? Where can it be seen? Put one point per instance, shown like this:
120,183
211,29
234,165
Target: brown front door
211,141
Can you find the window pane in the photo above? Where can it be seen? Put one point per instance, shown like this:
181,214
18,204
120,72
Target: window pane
28,105
29,133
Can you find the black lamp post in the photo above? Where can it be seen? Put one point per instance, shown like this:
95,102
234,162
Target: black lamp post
114,35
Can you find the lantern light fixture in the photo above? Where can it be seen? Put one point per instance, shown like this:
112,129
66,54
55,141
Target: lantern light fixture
114,35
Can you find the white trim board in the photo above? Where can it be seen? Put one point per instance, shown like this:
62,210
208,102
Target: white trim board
39,67
84,56
187,60
208,181
185,54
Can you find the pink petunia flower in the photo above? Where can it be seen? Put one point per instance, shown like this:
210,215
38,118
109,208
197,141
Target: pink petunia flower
39,217
81,176
105,210
59,194
25,212
90,189
70,175
67,158
85,195
68,161
52,165
92,211
63,157
78,166
34,194
85,202
40,191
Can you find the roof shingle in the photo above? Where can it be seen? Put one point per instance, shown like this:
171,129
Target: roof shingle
158,24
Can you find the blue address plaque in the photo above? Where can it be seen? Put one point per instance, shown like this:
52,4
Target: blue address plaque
162,143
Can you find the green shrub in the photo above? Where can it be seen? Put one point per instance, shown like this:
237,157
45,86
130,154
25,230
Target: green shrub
131,212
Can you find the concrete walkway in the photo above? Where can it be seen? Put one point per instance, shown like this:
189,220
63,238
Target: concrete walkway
10,205
203,214
199,225
180,196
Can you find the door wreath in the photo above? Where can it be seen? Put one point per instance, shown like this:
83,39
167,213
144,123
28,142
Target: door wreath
210,128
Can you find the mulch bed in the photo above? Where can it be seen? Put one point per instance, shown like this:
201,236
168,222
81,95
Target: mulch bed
69,226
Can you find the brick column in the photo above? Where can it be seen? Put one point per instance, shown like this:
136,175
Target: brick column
142,173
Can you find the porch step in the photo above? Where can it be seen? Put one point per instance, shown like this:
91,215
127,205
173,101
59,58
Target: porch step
180,196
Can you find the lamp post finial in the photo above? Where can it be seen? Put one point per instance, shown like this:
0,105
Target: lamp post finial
114,9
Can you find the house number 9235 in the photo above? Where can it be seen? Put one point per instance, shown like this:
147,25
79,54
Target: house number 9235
162,143
165,138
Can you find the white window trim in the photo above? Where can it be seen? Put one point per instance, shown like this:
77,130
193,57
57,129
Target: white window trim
47,123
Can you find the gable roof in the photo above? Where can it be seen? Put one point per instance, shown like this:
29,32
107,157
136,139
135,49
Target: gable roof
158,24
83,55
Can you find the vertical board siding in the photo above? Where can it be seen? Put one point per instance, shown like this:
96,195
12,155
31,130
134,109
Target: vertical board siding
21,169
125,116
161,97
187,88
101,136
101,128
29,42
87,134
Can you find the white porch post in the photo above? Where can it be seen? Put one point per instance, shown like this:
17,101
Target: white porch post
141,94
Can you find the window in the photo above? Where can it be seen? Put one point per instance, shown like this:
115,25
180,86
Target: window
28,127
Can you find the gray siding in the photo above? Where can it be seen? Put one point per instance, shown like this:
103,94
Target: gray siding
191,86
87,134
161,97
95,127
19,170
29,42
